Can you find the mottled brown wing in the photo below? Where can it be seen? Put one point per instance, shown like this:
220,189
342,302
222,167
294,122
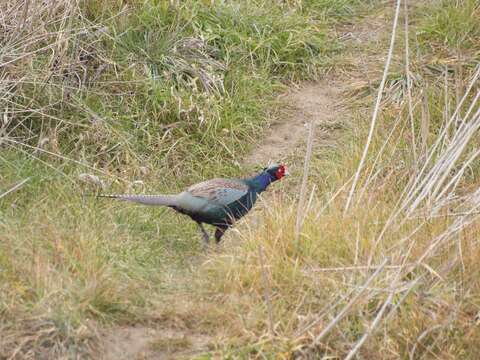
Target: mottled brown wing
219,191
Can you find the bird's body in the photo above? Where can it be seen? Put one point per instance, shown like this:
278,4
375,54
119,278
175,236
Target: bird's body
218,202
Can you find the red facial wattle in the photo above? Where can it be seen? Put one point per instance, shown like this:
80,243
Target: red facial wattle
280,173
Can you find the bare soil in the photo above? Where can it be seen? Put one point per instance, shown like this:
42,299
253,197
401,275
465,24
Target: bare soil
311,102
142,342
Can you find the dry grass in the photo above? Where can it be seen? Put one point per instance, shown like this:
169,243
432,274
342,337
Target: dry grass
387,270
394,276
328,288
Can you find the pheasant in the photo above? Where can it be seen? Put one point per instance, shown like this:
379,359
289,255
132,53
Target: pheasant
218,202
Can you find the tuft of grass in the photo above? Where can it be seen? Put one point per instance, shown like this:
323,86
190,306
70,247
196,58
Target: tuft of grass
454,25
170,345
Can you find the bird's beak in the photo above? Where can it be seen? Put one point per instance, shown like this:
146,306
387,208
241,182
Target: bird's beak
286,173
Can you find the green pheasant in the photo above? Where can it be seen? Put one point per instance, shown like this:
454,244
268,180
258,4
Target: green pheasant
218,202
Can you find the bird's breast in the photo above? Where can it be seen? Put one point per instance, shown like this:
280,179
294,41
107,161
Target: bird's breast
242,206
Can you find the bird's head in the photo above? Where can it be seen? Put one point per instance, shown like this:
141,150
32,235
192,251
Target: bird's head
276,171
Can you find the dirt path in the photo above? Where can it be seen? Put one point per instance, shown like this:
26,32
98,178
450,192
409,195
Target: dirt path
310,102
321,102
142,342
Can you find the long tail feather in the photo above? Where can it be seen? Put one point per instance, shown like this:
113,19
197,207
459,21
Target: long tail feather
154,200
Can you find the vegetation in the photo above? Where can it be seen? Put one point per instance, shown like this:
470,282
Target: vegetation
154,95
148,94
395,274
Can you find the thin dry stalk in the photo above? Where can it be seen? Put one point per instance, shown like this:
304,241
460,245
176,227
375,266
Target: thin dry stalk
357,268
20,184
374,174
371,328
303,188
446,100
387,304
332,198
376,110
425,125
347,307
411,354
266,285
409,84
61,157
357,245
411,188
458,82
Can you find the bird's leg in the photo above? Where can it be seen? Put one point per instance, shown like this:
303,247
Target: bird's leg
219,233
206,237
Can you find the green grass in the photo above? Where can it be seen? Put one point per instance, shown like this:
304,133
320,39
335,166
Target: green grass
170,344
453,24
166,95
145,91
197,70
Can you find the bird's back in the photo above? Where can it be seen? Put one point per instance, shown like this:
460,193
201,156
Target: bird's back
216,201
